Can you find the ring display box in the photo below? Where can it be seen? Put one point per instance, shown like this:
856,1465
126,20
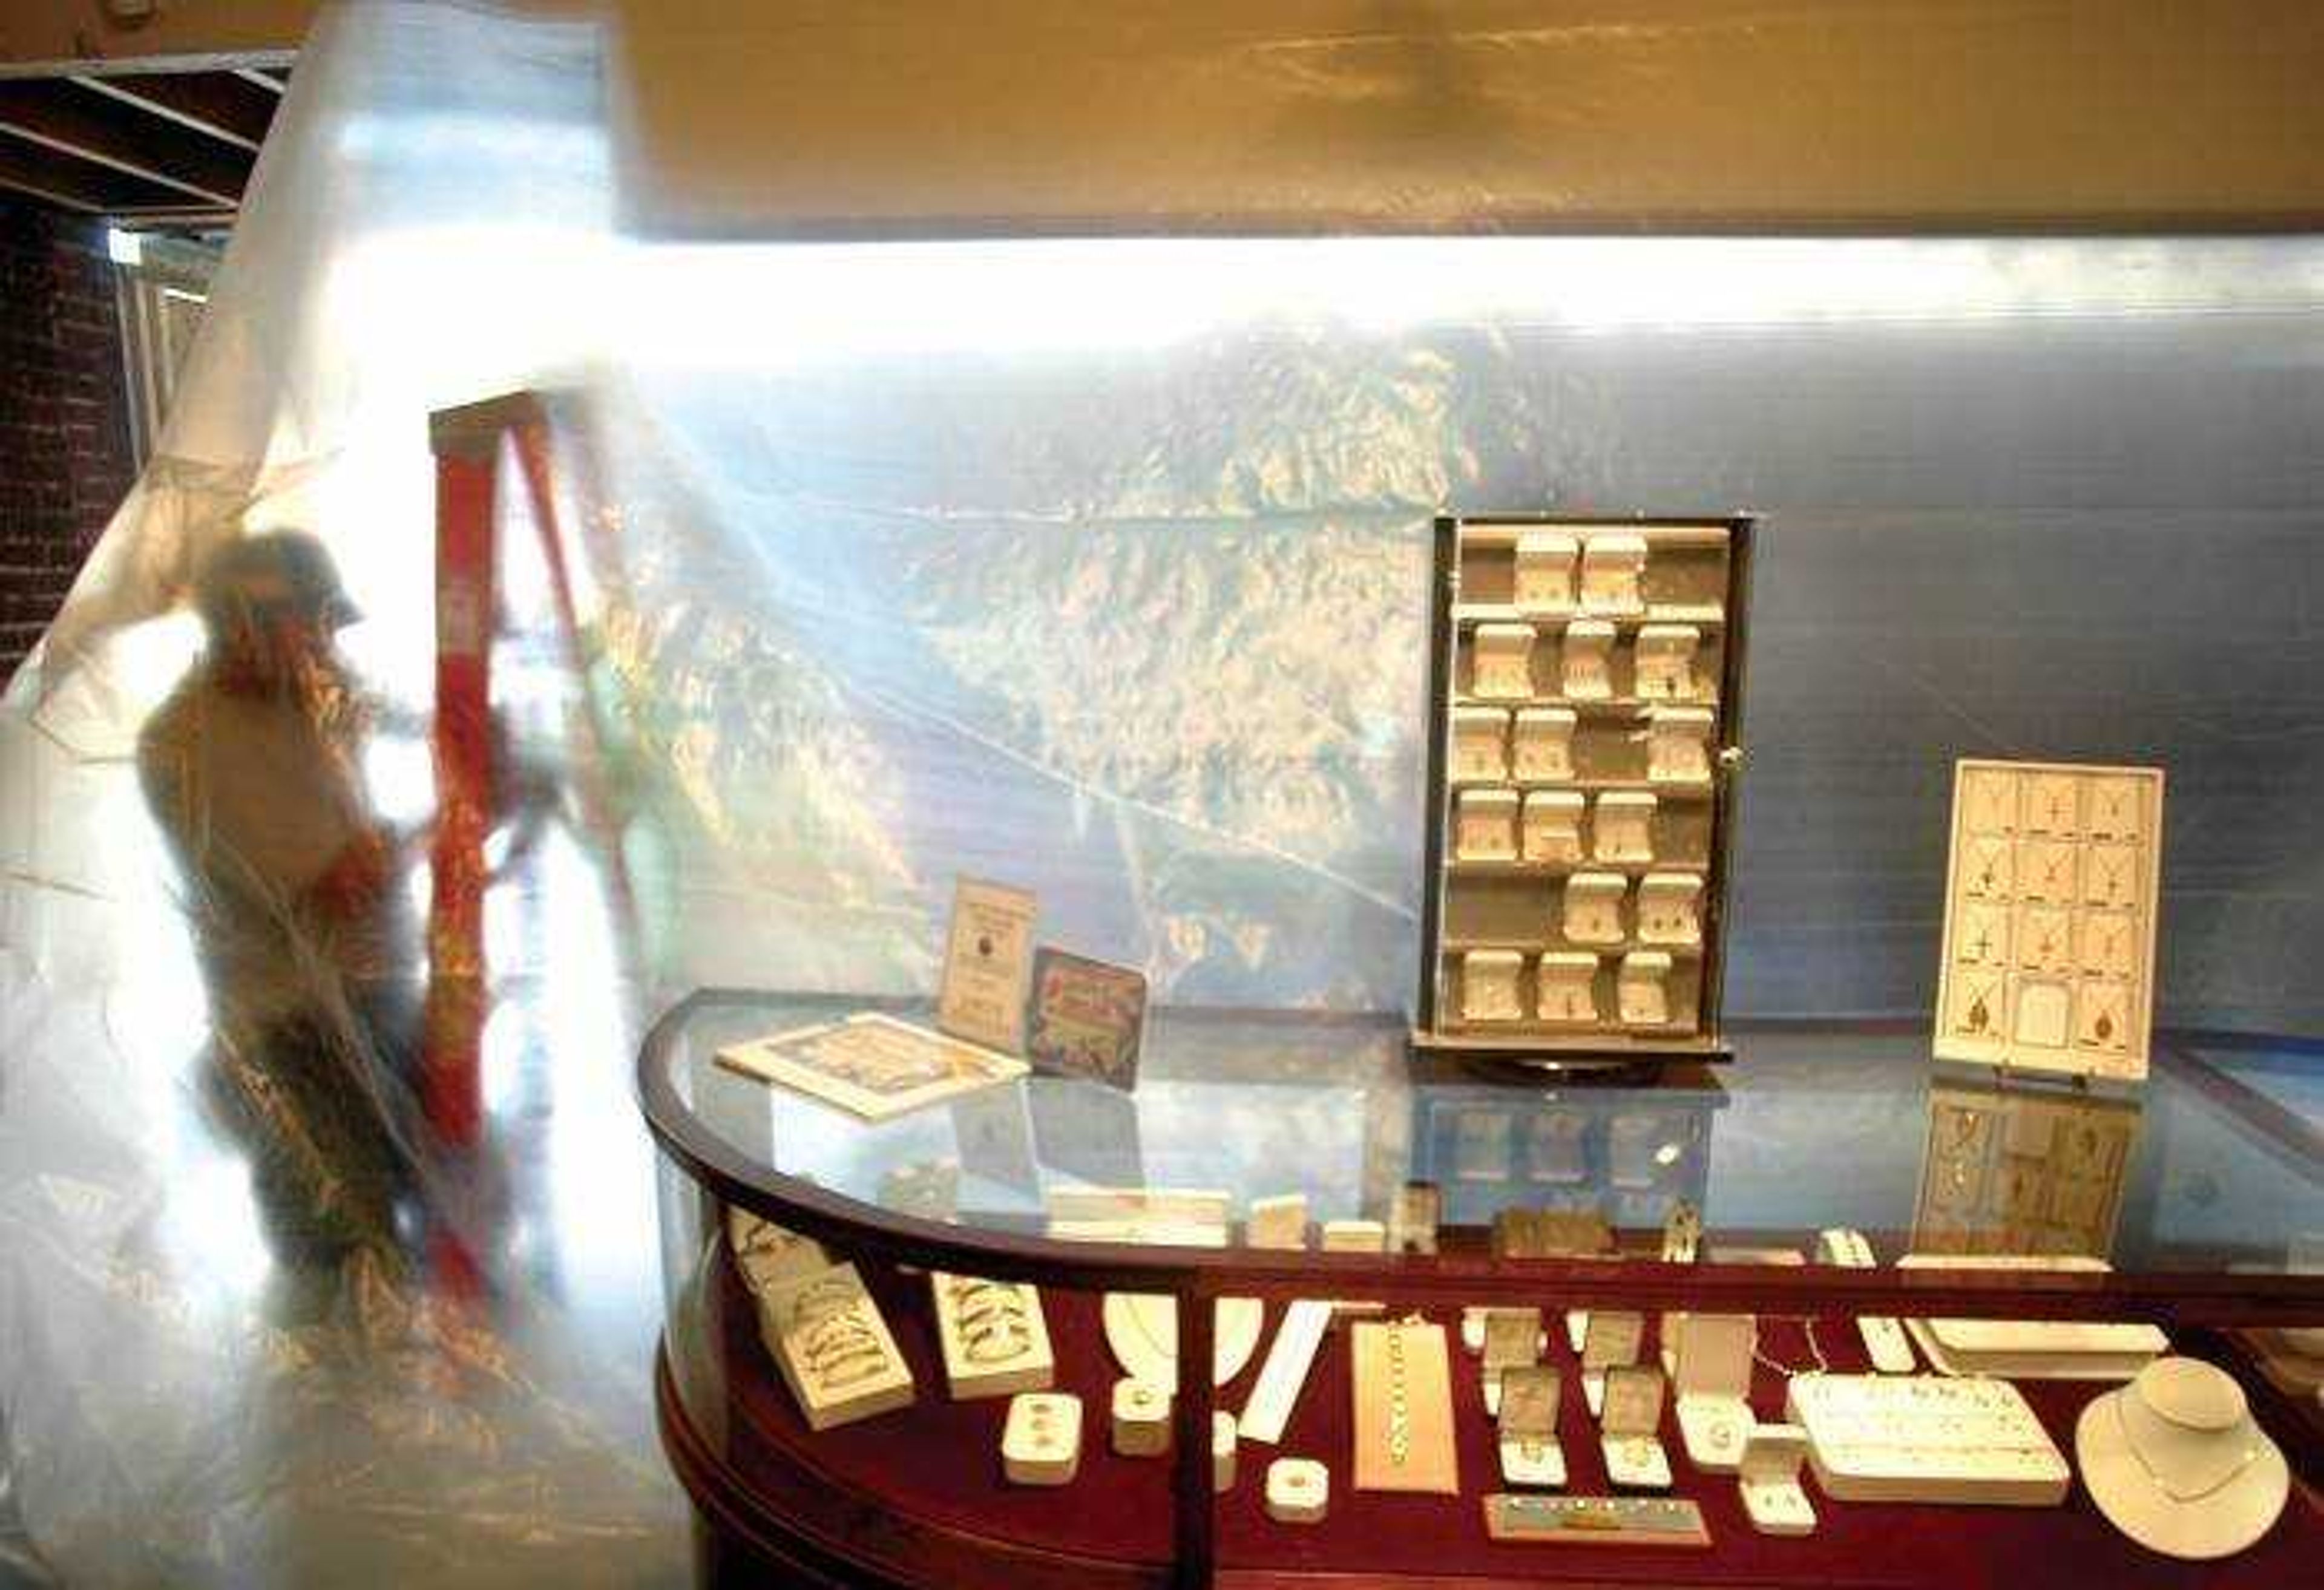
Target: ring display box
1550,827
1769,1479
1528,1447
1585,688
1542,745
1622,827
1629,1438
1298,1491
1480,744
1041,1441
1712,1369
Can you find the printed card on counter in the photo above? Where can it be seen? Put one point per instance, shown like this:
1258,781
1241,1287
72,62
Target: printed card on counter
872,1065
1089,1018
987,954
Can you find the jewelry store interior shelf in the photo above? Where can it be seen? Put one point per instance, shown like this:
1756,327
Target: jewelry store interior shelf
1585,690
917,1495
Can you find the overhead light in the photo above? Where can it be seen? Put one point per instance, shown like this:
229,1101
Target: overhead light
123,247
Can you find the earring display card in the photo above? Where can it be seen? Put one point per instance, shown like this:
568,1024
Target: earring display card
2050,918
1586,682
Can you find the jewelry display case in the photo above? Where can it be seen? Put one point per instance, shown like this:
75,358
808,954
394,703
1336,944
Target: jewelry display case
1586,696
1067,1198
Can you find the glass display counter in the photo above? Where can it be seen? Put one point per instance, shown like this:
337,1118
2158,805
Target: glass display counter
2203,1194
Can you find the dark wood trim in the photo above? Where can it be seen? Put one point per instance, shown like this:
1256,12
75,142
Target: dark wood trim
219,105
1728,767
794,1515
1193,1517
82,125
1444,585
1462,1273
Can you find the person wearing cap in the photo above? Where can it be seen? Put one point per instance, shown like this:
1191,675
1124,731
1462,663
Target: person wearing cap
299,896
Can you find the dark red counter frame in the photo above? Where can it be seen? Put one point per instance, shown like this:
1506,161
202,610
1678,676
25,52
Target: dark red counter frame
1463,1273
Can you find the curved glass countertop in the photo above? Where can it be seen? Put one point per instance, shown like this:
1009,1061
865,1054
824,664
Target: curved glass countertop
2197,1174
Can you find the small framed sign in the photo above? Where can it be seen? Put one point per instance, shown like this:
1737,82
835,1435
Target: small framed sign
986,954
1089,1018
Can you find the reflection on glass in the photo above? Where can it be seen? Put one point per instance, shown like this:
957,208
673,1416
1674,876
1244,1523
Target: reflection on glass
2015,1173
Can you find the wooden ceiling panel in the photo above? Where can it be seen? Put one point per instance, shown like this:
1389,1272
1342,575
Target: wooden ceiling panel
224,104
149,146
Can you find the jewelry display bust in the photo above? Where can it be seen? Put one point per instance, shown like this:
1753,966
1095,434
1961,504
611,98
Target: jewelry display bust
2175,1461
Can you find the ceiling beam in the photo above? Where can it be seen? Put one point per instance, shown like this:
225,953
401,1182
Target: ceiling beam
273,62
71,121
224,107
274,82
76,185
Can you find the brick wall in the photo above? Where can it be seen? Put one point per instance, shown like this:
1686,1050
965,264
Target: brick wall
64,425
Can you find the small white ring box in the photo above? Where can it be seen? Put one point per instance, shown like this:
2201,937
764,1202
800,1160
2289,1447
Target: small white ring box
1544,572
1613,571
1473,1318
1678,745
1670,908
1622,829
1501,663
1551,830
1665,661
1608,1338
1642,989
1543,745
1566,989
1773,1497
1298,1491
1278,1222
1512,1341
1586,660
1487,825
1593,907
1364,1236
1041,1442
1481,744
1529,1452
1712,1369
1224,1441
1141,1418
1628,1438
1488,990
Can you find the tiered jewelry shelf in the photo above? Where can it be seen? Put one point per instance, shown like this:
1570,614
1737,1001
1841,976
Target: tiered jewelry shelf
1585,688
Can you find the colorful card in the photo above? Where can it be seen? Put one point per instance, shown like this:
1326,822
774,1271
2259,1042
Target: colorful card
1089,1018
986,954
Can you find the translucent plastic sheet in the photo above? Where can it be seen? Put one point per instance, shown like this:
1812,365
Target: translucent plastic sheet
1096,567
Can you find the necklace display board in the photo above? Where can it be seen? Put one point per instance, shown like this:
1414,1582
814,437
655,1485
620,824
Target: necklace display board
2050,912
1585,686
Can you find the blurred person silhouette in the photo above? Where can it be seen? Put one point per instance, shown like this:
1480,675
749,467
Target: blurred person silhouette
300,898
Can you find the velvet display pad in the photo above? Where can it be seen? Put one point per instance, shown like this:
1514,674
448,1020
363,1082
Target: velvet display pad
940,1461
1403,1372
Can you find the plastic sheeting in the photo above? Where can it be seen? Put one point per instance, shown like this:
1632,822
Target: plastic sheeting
1098,566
